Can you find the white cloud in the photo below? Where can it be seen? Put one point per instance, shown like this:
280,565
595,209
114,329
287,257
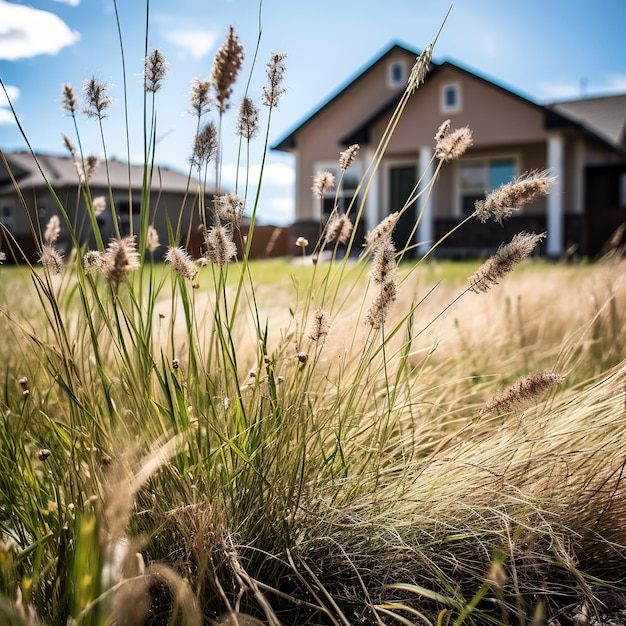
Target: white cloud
277,210
192,41
274,174
26,32
6,116
72,3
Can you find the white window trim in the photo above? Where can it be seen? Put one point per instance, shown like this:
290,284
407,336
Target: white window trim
390,81
442,99
335,169
513,156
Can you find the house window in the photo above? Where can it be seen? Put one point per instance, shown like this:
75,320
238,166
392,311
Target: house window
478,178
123,209
450,98
397,74
343,197
7,218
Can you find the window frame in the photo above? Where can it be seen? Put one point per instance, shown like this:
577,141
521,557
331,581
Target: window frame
391,81
345,195
484,160
446,108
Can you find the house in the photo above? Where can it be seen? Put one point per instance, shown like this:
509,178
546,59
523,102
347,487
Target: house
172,196
581,142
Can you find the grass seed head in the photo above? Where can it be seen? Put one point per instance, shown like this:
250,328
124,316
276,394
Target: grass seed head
51,259
247,119
204,145
155,68
226,66
381,234
200,96
522,392
322,182
69,102
96,98
182,262
53,230
319,326
119,259
229,207
339,228
346,158
273,89
505,259
152,239
500,203
452,145
220,248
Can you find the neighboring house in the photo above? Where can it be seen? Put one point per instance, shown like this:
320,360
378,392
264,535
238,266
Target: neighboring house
582,143
172,195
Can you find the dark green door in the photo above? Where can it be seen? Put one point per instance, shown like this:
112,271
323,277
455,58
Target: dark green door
402,179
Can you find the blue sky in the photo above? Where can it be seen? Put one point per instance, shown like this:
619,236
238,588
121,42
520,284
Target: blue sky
544,49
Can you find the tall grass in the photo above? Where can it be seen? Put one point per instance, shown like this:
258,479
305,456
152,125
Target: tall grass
200,443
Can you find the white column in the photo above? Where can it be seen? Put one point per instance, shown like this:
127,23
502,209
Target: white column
426,227
372,201
554,218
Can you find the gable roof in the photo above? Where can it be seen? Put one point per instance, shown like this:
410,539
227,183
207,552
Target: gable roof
601,119
289,140
60,171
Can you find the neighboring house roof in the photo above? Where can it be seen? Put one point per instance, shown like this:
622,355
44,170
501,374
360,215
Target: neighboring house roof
605,115
60,171
601,119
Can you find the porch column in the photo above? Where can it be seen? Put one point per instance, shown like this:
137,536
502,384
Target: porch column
372,201
426,226
554,218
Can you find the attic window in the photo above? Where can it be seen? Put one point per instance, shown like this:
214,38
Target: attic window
397,74
450,98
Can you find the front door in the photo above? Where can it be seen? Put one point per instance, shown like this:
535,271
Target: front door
402,179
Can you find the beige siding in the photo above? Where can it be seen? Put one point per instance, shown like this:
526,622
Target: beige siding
319,139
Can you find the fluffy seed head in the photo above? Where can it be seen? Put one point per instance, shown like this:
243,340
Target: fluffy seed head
247,119
377,313
501,202
119,259
51,259
152,239
69,101
319,325
452,145
322,182
339,228
182,263
229,207
442,131
302,242
204,145
421,67
99,205
226,66
200,96
3,257
155,68
96,98
220,248
381,233
86,173
273,89
67,142
92,260
346,158
53,230
384,265
505,259
522,392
